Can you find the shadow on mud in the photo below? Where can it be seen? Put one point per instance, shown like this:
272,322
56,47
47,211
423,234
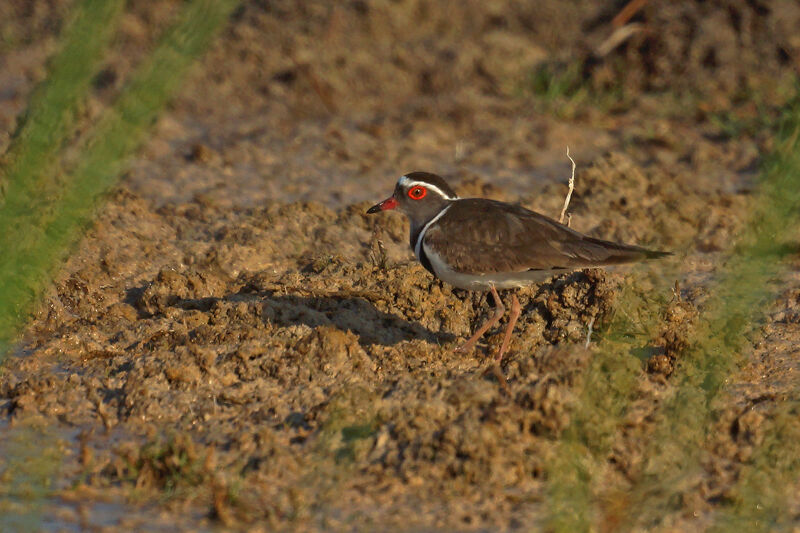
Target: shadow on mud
344,312
347,313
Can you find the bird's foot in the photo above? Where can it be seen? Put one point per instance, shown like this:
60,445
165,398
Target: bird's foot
495,370
467,347
498,314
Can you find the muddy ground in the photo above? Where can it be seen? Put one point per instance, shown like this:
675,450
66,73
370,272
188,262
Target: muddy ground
236,343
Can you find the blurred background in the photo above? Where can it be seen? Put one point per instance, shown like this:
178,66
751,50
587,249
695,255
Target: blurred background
332,101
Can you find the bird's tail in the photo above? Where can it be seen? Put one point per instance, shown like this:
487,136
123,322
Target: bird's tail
612,253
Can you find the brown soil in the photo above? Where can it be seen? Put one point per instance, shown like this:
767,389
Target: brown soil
235,341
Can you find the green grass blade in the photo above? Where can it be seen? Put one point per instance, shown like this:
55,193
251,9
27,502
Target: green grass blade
52,108
32,252
738,300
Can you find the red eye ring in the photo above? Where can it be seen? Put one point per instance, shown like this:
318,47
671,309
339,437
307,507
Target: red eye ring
417,192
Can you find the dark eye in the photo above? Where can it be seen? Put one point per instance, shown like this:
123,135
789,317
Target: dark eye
417,192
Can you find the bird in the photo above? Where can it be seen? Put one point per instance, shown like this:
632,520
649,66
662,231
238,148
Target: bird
479,244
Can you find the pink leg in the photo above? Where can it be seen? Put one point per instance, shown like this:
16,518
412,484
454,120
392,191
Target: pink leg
498,314
512,321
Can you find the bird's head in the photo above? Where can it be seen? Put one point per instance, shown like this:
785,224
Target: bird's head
420,195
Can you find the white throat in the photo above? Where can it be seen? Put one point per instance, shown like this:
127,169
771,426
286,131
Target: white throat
418,244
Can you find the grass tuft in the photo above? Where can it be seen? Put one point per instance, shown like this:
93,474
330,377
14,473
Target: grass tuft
566,90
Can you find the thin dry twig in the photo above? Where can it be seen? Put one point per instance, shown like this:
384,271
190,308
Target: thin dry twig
377,249
676,292
589,333
622,30
627,12
569,193
617,37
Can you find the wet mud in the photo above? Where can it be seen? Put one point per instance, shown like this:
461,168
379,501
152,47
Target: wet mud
235,342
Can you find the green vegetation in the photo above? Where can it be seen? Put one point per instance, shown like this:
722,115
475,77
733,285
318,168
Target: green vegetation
53,108
563,90
560,88
42,222
760,499
27,177
350,425
609,387
736,304
735,308
753,109
554,81
43,213
172,464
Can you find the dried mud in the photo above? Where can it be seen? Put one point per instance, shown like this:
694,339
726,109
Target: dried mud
236,336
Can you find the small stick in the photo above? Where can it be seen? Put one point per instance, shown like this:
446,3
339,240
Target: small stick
569,193
378,252
676,291
589,333
627,12
619,36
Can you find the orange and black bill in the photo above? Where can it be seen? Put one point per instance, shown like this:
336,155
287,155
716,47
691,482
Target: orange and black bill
389,203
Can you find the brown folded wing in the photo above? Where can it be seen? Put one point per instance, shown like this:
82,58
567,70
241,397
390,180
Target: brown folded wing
481,236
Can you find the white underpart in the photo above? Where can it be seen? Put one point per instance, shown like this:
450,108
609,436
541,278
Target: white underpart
425,228
406,182
482,282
